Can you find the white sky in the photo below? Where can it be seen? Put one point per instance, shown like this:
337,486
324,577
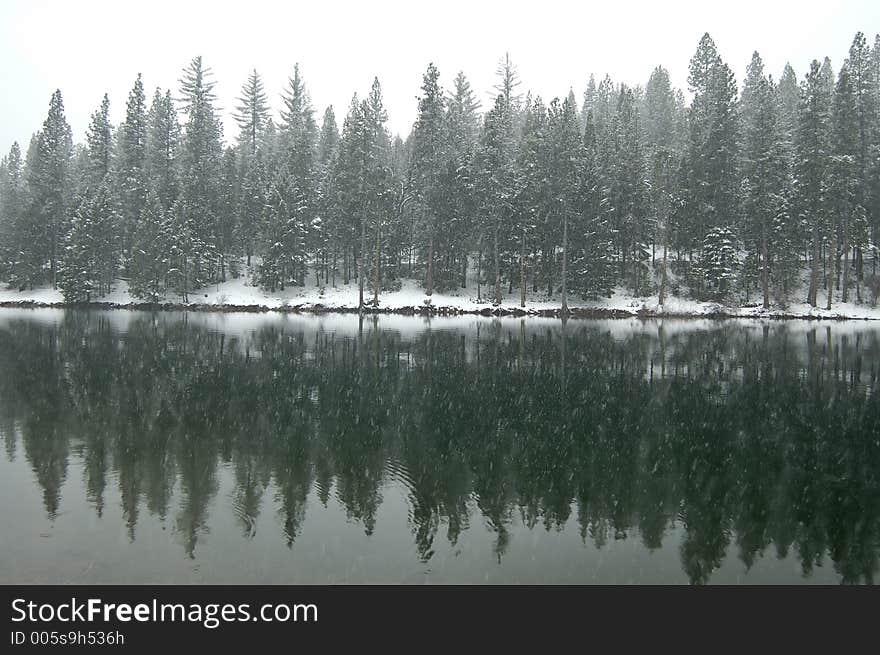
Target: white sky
87,48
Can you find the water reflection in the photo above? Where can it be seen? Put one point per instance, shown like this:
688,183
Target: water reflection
702,439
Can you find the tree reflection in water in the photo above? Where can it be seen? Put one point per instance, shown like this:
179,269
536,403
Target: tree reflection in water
763,438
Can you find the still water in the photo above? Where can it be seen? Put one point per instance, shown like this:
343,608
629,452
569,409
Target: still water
266,448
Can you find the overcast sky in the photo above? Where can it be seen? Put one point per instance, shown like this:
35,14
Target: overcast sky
87,48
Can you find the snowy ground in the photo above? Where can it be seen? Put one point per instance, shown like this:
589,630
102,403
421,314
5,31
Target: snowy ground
241,292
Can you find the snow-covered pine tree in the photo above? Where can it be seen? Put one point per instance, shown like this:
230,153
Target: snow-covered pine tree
12,206
662,154
150,257
345,189
533,202
629,194
163,137
90,248
49,195
765,176
131,169
874,163
376,188
718,262
495,175
462,130
566,149
788,95
429,155
863,72
592,243
200,165
844,179
713,184
252,116
813,147
100,143
588,106
324,223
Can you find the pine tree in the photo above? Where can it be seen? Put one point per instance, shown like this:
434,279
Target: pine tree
627,191
712,177
813,148
874,163
290,199
50,196
100,143
150,258
90,256
495,171
564,166
296,157
533,201
345,189
328,141
161,151
12,213
508,81
764,170
131,165
588,107
251,114
201,257
662,153
376,186
325,224
428,162
788,94
863,72
592,243
462,130
844,177
88,262
718,262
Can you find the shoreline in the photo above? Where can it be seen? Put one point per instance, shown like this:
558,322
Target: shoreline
432,311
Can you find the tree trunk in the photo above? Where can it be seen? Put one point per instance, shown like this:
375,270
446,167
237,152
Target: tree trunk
497,269
565,262
360,265
663,269
765,269
859,273
464,270
429,275
376,272
479,264
814,266
522,271
832,255
548,266
845,250
52,246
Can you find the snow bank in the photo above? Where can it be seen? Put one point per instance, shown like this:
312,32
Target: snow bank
242,293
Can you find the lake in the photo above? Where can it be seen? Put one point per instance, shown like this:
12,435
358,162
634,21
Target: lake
284,448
